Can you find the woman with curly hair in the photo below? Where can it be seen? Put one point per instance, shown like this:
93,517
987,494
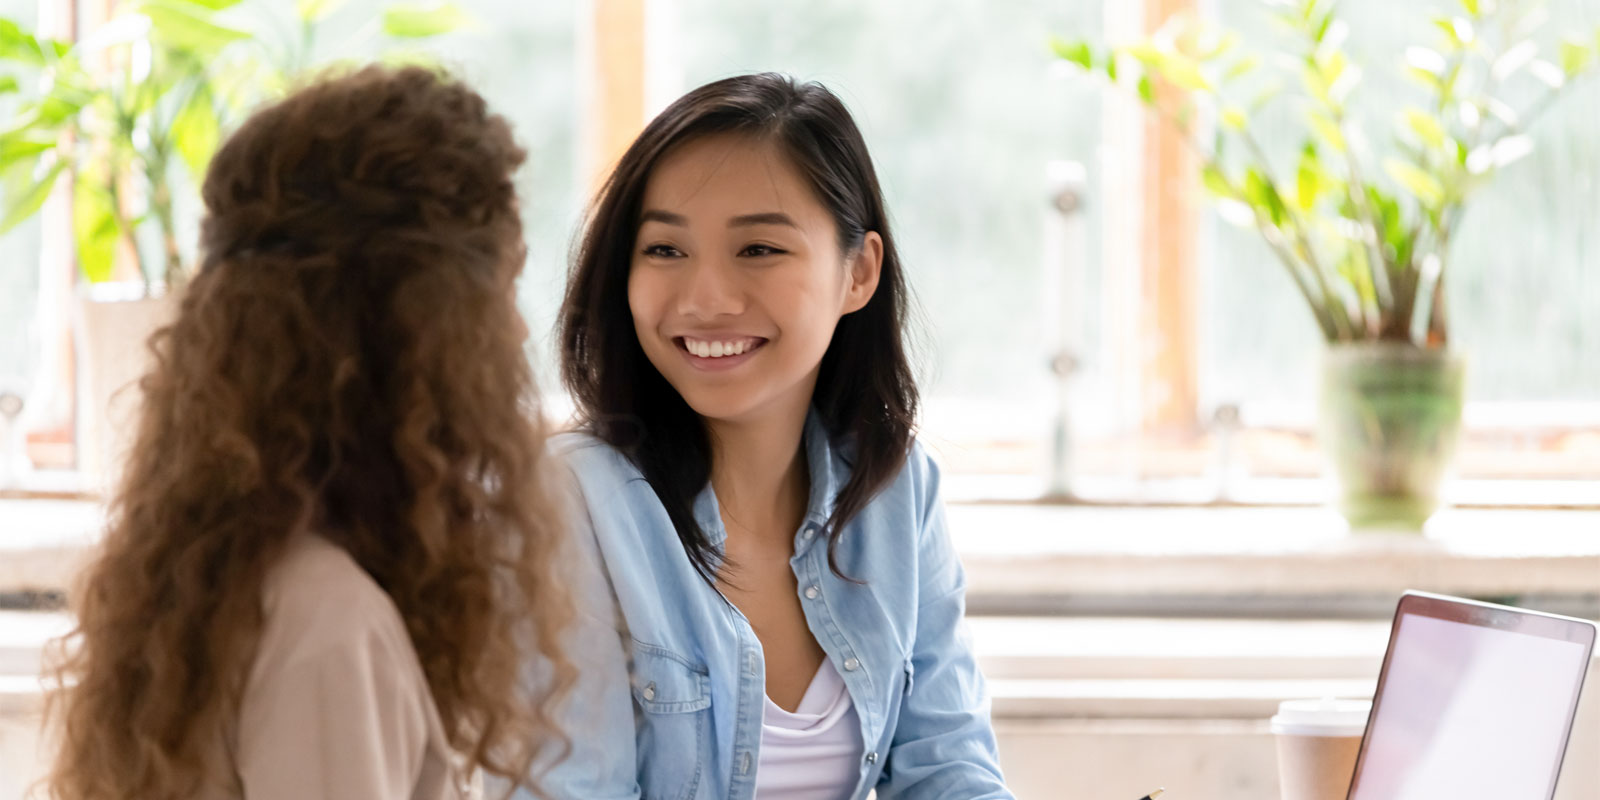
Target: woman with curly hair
333,553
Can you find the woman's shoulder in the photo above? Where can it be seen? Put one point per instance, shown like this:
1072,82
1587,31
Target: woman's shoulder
317,600
917,482
583,447
594,463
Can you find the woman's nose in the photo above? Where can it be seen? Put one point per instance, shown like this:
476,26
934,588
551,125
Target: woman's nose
709,290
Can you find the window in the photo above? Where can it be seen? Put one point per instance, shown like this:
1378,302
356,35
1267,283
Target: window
21,336
1524,294
964,115
965,119
520,55
1169,316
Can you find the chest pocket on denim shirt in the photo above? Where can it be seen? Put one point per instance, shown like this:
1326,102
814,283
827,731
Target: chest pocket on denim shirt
673,722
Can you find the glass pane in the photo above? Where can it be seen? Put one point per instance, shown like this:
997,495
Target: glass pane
521,56
20,338
963,115
1524,291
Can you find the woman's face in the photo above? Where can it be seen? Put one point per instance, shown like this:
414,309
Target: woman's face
737,280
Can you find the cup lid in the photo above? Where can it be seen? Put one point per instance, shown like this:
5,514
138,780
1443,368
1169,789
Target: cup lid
1328,716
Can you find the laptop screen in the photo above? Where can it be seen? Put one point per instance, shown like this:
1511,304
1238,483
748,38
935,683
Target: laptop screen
1469,711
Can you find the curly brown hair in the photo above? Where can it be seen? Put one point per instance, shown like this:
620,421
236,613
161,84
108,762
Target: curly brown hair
348,360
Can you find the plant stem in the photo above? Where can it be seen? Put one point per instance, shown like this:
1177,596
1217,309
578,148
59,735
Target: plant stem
1298,227
1331,329
1323,313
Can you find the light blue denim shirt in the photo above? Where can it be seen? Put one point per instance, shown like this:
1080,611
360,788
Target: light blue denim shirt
671,706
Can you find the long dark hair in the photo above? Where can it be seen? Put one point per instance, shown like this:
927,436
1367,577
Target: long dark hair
865,395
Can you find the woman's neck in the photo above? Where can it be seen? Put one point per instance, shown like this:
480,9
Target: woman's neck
759,472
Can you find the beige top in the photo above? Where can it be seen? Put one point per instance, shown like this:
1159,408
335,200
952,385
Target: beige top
336,705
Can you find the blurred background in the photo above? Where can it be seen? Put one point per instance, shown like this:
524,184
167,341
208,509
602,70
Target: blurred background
1121,383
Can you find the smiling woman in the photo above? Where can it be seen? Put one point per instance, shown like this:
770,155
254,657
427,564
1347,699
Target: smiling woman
774,537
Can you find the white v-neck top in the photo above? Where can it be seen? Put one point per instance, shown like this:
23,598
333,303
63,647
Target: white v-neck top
815,752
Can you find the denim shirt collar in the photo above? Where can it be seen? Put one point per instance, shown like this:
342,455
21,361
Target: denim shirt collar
828,473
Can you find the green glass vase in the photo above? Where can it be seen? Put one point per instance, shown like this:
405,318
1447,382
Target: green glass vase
1389,419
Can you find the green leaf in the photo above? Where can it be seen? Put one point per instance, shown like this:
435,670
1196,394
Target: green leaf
15,148
1147,90
1184,73
1215,181
1242,67
1234,118
1321,31
1575,57
1077,52
94,225
1311,78
1420,183
8,84
1433,83
1111,66
1308,177
1449,28
1471,7
1266,96
421,21
1222,45
314,11
24,204
213,5
56,109
196,133
183,26
1328,130
1425,126
1259,192
1333,67
1147,54
26,48
19,45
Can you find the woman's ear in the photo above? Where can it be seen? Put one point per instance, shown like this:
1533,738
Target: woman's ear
866,264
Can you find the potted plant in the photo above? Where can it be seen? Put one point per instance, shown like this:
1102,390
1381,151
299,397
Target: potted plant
1364,235
132,114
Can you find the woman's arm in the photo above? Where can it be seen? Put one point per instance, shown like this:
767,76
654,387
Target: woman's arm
944,744
597,717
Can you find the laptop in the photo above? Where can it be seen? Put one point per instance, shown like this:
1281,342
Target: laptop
1475,701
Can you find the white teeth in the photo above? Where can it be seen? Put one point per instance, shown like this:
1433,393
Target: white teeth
706,349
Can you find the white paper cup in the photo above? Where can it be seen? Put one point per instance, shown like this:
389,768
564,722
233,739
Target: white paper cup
1317,745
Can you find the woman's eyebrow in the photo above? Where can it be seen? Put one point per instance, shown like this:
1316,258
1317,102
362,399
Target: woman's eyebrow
766,218
664,217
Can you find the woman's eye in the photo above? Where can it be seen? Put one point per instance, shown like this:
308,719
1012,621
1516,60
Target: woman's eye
662,251
758,250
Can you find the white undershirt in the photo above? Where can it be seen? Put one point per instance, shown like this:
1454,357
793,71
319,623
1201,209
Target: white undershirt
815,752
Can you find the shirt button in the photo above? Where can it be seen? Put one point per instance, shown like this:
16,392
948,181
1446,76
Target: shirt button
851,665
809,533
650,692
812,592
744,764
872,758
